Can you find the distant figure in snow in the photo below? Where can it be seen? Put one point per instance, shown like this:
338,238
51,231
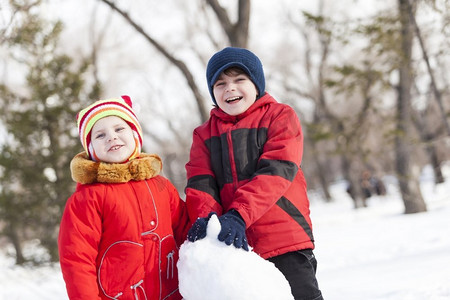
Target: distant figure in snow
208,269
245,167
370,185
122,227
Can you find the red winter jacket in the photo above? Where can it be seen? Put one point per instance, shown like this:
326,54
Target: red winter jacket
251,163
119,237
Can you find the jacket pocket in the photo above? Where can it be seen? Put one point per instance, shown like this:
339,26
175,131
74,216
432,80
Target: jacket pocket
168,270
121,269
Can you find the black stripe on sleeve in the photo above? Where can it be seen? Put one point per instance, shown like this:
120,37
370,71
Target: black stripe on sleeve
283,168
292,211
205,183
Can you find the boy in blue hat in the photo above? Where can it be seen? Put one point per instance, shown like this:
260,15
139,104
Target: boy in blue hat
245,167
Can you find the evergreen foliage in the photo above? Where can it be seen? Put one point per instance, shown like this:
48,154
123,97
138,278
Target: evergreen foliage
35,179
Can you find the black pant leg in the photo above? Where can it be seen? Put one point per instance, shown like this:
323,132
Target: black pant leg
299,268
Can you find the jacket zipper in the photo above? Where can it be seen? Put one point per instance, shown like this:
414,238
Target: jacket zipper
156,211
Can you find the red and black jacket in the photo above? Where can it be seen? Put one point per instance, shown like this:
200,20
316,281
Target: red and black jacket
251,163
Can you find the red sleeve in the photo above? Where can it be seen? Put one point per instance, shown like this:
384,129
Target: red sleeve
277,167
179,215
202,192
78,241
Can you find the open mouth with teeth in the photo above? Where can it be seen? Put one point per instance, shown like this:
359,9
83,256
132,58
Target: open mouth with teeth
114,148
233,99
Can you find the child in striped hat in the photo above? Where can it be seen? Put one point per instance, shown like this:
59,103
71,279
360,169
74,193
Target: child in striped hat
123,142
121,229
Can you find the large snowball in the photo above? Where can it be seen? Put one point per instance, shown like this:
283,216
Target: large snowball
209,269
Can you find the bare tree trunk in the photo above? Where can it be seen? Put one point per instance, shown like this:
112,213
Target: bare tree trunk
11,233
408,183
425,135
353,178
437,93
237,33
320,170
323,181
435,163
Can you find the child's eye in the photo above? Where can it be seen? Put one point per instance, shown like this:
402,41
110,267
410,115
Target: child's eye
119,129
219,83
100,135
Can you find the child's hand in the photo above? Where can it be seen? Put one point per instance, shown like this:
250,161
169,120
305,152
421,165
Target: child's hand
233,230
198,229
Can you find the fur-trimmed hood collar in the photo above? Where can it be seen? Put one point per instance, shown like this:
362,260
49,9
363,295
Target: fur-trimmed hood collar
86,171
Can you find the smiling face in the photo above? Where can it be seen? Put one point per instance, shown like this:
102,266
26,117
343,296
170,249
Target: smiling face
112,139
234,91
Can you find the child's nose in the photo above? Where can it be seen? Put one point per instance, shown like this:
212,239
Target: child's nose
112,137
230,86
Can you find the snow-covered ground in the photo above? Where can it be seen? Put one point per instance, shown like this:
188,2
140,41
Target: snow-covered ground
371,253
380,253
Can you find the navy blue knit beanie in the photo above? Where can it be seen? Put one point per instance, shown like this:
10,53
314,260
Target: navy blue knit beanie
235,57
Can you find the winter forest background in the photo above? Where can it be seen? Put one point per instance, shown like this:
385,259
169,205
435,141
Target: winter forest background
367,78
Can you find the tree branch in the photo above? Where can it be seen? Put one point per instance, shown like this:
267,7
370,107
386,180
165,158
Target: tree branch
204,114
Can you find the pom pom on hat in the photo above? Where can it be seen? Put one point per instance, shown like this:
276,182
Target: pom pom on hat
235,57
121,108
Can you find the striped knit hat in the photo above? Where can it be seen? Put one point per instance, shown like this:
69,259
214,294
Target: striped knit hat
121,108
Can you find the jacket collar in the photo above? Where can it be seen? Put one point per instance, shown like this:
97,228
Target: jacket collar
264,100
86,171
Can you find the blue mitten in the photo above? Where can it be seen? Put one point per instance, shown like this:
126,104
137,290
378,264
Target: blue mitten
198,229
233,230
